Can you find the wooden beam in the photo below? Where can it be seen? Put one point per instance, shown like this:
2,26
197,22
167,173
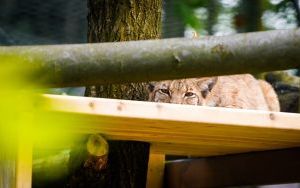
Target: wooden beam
7,169
257,168
24,158
178,129
15,159
24,164
156,167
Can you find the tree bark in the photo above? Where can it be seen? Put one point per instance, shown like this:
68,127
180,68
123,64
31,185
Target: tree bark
115,20
121,20
297,10
212,17
249,16
136,61
110,21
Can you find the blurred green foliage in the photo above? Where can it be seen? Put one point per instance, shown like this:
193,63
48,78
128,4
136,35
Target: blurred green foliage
22,119
186,11
216,16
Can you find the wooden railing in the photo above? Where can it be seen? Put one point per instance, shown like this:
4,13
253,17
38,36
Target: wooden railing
201,131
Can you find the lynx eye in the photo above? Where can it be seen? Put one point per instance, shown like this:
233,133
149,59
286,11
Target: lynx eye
189,94
165,91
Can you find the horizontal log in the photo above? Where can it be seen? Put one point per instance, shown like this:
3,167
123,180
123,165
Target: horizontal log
54,170
257,168
136,61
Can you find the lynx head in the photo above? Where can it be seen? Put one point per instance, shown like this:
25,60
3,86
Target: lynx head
186,91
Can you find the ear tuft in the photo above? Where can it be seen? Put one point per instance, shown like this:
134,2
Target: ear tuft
151,86
212,83
206,85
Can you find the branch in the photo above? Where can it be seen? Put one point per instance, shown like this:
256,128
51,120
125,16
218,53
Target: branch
137,61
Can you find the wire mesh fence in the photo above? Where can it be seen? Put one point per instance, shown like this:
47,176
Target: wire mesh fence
25,22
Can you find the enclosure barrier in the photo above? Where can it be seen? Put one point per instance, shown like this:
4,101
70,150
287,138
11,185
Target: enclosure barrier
137,61
198,132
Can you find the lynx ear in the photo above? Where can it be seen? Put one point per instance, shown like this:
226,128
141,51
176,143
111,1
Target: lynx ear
207,85
151,86
212,82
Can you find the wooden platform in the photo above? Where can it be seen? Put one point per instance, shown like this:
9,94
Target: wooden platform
179,129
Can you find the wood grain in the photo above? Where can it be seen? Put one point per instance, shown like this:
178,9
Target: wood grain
178,129
156,167
24,162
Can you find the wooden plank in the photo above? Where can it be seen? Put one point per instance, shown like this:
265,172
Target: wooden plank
15,159
24,162
257,168
196,130
156,167
7,169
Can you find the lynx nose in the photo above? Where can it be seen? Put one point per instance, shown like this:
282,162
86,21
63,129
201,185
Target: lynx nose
176,100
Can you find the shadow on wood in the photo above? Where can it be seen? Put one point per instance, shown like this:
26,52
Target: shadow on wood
257,168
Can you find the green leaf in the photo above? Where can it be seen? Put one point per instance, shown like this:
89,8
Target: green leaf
195,3
188,15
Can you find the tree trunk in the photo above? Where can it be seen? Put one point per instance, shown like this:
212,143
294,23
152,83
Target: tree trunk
121,20
249,16
116,20
212,17
110,21
297,11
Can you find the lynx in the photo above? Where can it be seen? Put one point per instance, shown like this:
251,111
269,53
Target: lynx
236,91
